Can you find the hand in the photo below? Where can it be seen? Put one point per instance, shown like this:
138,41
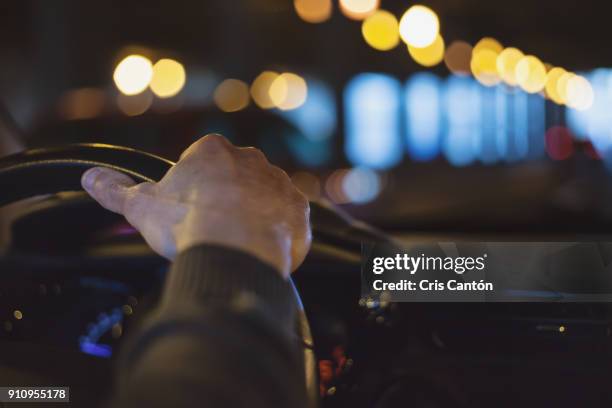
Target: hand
217,194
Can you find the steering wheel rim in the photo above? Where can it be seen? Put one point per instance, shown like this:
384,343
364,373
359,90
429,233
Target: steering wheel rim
59,169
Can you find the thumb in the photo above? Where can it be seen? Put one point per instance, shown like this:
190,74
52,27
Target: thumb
108,187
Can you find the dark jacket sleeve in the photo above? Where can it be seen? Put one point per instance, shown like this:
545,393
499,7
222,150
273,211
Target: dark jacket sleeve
223,336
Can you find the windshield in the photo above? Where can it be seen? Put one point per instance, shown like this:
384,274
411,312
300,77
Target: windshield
455,116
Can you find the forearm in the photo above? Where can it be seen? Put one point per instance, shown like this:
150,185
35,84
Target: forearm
221,336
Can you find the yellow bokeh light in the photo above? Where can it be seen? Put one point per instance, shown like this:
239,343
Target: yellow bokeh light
488,43
506,64
358,9
133,74
232,95
484,66
313,11
134,105
419,26
552,80
457,57
168,78
381,30
288,91
17,314
530,74
429,56
260,89
562,85
579,93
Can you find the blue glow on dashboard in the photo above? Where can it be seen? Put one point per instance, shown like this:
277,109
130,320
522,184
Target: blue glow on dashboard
463,137
423,116
98,350
372,121
89,343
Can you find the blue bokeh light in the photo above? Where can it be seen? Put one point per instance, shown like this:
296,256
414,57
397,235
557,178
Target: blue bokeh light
423,116
372,121
462,140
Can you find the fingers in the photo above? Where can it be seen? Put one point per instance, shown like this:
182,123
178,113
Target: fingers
108,187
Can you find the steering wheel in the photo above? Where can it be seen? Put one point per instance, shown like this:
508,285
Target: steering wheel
53,170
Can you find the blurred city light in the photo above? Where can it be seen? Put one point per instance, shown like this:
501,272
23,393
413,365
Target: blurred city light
559,143
334,187
317,117
358,9
134,105
579,93
83,103
419,26
595,123
457,57
484,67
361,185
288,91
372,121
488,43
562,85
462,140
133,74
484,61
232,95
308,184
260,89
381,30
313,11
423,116
506,64
428,56
530,74
168,78
552,80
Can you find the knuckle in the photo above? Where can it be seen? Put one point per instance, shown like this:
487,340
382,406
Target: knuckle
215,141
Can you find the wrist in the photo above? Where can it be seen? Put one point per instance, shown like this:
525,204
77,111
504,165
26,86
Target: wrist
268,242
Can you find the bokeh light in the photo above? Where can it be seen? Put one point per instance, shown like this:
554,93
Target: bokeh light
134,105
579,93
358,9
559,143
488,43
457,57
530,74
83,103
484,67
168,78
506,64
562,85
232,95
430,55
133,74
484,61
288,91
419,26
260,89
381,30
308,184
334,187
313,11
552,80
361,185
